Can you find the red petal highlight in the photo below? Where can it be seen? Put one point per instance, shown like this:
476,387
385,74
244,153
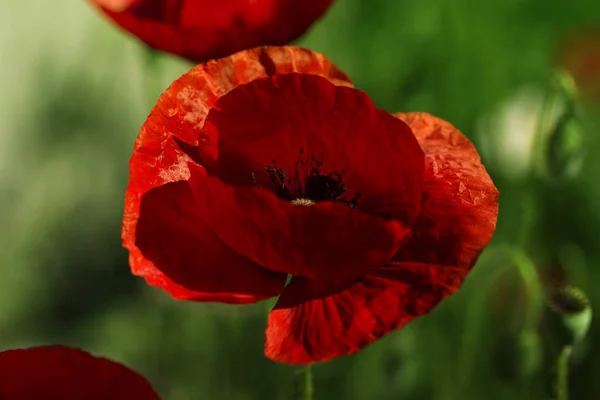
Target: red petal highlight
173,233
273,118
204,29
460,201
180,114
322,241
341,324
57,372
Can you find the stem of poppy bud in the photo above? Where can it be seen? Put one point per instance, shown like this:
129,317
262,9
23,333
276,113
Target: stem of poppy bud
543,124
561,386
528,220
531,280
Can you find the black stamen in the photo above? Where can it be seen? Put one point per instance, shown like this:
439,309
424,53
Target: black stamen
313,185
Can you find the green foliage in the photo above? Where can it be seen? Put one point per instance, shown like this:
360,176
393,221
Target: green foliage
75,93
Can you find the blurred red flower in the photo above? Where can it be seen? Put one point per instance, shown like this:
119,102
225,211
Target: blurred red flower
269,163
204,29
579,54
57,372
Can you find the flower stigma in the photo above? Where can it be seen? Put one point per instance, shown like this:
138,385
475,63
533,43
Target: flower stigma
308,185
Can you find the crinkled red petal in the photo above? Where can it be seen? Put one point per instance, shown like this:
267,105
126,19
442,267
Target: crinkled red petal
57,372
460,202
176,122
329,326
274,118
323,241
317,321
174,233
205,29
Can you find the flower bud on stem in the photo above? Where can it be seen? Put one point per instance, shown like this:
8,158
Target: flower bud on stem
559,142
567,321
566,146
569,316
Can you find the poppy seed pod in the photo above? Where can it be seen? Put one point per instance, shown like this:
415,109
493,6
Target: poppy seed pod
565,150
568,316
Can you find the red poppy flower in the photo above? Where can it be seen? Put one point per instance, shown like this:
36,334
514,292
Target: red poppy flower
579,54
269,163
204,29
57,372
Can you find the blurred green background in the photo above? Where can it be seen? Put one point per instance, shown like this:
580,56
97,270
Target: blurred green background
74,95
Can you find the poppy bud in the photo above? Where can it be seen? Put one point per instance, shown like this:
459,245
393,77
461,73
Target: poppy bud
566,146
518,356
567,85
568,317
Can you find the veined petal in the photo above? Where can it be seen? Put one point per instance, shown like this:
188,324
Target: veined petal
322,241
459,207
168,138
174,233
323,326
275,118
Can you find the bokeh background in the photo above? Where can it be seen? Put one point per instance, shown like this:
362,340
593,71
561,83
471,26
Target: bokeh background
74,91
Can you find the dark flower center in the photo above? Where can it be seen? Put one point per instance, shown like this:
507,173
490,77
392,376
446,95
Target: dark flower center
308,184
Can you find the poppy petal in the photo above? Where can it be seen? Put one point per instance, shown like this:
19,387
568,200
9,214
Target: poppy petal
203,29
59,372
460,202
173,234
326,325
179,115
181,222
280,117
115,5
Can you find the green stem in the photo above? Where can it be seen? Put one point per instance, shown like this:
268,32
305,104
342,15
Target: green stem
308,389
304,383
562,374
529,276
528,220
543,125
